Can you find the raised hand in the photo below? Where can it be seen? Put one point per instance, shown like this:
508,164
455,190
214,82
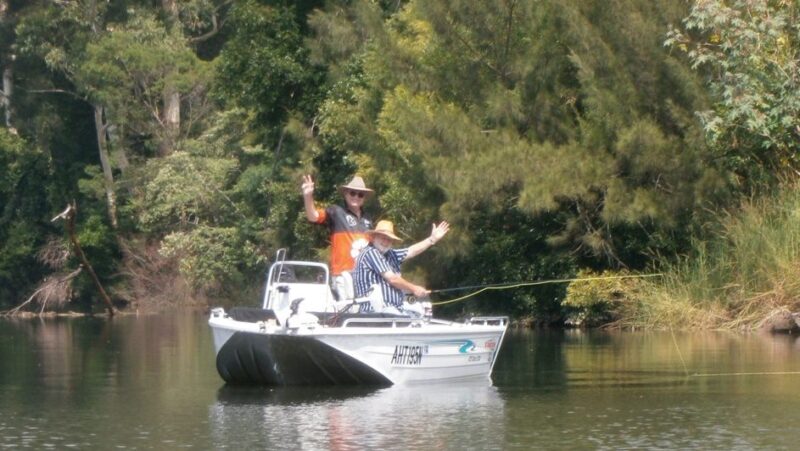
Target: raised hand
308,185
438,231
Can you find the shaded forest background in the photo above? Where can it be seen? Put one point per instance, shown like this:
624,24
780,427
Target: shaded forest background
560,138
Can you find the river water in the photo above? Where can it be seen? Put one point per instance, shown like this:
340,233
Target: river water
150,382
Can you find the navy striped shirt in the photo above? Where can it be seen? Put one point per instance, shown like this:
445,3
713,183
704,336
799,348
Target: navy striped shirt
370,264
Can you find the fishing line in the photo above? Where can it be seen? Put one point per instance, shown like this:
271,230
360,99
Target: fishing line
685,368
526,284
586,279
760,373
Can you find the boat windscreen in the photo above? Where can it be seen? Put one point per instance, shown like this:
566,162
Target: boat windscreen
300,274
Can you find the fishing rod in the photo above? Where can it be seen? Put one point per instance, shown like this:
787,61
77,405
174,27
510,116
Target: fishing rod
537,282
472,287
503,286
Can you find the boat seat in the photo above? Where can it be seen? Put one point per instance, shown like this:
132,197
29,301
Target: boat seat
343,287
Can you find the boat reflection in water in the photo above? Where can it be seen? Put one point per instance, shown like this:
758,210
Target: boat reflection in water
432,416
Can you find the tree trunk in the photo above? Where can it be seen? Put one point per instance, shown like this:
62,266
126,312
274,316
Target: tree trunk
102,147
8,89
171,113
8,70
170,7
171,119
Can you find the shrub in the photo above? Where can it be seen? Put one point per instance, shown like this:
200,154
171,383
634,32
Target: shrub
595,299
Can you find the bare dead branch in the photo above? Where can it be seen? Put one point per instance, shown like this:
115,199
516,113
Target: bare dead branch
48,288
69,216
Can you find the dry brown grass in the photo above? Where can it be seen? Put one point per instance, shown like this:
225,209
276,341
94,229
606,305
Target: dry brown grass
735,279
152,281
53,292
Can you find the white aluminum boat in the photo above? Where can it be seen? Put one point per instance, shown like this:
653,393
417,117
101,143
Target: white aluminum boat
302,336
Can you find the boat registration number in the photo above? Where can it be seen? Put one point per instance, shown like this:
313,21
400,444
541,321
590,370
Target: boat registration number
408,355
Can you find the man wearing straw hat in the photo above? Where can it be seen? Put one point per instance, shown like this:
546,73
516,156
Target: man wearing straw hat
377,269
348,224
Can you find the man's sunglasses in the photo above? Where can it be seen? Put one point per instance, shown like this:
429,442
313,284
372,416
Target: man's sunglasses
356,193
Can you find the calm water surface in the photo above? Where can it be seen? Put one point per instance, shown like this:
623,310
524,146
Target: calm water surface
150,383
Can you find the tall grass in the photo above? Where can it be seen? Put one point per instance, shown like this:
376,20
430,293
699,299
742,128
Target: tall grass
747,269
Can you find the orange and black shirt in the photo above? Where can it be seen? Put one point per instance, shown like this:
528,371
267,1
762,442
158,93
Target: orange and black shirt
348,236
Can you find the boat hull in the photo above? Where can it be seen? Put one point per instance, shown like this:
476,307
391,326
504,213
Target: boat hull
277,359
248,353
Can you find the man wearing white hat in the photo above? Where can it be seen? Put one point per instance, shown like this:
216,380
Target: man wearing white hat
378,267
348,224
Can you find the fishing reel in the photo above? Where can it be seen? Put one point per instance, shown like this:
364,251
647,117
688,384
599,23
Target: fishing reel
421,305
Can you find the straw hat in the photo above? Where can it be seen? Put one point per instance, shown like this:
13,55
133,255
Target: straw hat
385,228
356,184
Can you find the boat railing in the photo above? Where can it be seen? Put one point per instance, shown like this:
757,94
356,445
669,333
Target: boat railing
417,322
442,322
488,320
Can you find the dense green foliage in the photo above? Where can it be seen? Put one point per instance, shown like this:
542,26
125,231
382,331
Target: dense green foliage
23,225
751,52
558,137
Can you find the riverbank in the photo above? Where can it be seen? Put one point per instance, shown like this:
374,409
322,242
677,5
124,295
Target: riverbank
743,274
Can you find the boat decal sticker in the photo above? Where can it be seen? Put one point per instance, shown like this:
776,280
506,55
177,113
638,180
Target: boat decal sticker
468,346
465,345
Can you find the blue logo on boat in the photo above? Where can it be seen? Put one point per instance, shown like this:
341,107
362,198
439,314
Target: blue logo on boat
464,346
468,346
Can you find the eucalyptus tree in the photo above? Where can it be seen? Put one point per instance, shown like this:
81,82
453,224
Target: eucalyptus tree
171,116
196,21
119,58
208,200
128,70
39,160
59,33
7,56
